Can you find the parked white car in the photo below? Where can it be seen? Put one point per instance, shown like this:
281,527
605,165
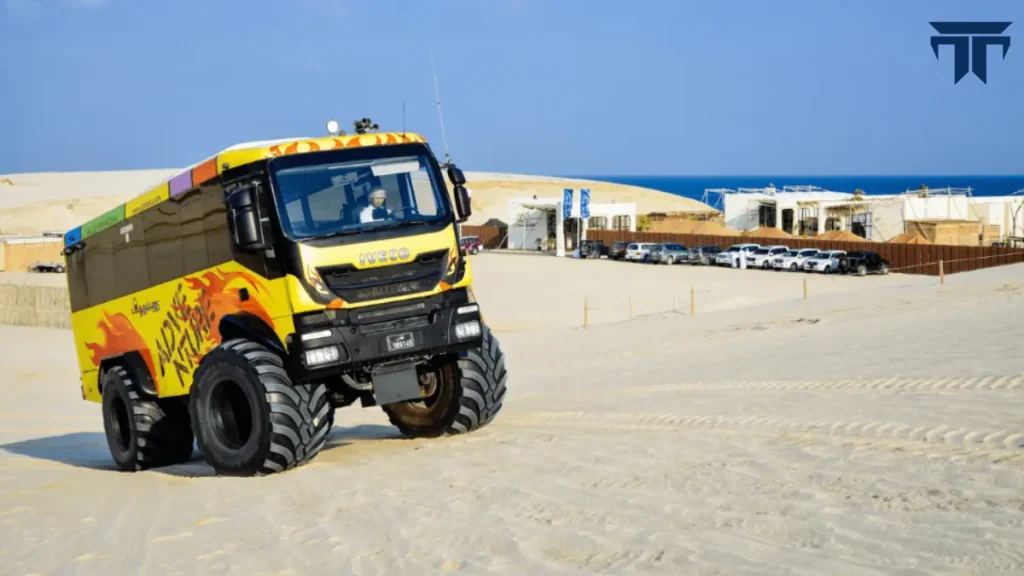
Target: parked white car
763,256
794,259
639,251
826,261
724,257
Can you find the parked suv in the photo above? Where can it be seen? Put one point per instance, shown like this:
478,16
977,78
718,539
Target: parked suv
470,244
671,253
639,251
826,261
704,255
762,257
617,250
593,249
794,259
862,263
724,258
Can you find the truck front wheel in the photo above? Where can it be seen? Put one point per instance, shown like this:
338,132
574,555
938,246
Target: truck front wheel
459,396
142,433
249,418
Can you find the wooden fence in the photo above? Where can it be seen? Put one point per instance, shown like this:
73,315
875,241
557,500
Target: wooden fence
904,258
492,236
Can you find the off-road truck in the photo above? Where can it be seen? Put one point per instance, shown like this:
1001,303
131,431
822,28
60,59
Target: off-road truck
239,303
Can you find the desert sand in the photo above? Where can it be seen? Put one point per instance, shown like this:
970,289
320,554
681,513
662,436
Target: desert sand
32,203
874,428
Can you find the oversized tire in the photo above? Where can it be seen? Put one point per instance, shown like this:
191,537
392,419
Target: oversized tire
249,418
142,433
468,394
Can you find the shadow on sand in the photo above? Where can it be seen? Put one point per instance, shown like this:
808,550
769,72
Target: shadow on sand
89,449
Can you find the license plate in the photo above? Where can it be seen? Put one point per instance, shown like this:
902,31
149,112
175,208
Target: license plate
399,342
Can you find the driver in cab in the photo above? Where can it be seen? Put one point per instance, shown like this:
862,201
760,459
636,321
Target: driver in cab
375,210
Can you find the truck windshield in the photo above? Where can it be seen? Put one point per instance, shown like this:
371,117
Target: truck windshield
345,197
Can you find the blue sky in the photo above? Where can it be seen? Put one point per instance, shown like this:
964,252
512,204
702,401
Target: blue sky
595,87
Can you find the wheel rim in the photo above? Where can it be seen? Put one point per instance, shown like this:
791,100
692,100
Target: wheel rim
120,425
437,385
230,414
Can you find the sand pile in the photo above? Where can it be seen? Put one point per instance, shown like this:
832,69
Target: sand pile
909,238
766,232
680,226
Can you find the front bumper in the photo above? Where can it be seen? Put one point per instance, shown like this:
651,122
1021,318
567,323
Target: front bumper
374,335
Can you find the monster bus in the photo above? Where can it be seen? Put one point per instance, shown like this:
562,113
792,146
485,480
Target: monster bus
237,304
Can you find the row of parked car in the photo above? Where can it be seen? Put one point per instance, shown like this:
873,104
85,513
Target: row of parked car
779,257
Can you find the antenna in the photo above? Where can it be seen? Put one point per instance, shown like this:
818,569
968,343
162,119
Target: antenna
440,117
403,117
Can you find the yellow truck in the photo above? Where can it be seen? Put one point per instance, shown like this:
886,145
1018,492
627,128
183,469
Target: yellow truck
239,303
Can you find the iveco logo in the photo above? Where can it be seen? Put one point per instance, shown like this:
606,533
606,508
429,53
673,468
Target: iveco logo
381,256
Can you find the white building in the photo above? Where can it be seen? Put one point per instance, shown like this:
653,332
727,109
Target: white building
532,221
807,210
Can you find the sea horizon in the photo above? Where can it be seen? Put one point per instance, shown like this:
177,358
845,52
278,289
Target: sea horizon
694,186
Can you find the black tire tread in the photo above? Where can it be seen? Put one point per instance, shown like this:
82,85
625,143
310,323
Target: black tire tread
163,435
484,378
300,414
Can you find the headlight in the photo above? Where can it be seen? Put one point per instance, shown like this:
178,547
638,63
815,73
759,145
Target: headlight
467,330
322,356
316,335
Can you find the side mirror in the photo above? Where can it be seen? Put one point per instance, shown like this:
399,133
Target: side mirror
245,219
455,175
462,205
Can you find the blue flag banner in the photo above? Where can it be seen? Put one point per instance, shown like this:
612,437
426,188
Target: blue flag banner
567,203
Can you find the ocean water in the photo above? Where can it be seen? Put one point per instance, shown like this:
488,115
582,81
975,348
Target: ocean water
694,186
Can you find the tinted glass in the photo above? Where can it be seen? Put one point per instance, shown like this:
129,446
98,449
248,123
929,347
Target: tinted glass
349,196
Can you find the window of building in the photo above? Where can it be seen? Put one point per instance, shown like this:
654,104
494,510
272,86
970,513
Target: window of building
598,223
620,223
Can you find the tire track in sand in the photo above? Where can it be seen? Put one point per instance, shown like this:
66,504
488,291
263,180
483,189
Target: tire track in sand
881,384
1008,441
925,385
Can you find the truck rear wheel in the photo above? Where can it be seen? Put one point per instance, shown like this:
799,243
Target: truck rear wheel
142,433
250,419
459,396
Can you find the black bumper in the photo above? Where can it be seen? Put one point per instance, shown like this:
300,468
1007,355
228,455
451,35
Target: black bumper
369,336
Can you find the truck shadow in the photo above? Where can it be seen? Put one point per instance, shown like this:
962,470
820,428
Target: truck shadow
89,449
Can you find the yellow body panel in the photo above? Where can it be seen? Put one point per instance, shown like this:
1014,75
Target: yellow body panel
172,325
147,200
394,250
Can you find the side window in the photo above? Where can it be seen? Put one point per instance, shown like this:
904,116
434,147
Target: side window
78,288
130,256
193,236
324,205
100,277
163,243
215,224
422,192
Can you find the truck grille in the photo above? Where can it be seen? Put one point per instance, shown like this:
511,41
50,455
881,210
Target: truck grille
354,285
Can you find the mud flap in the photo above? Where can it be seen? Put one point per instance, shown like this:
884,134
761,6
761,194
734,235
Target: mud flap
396,384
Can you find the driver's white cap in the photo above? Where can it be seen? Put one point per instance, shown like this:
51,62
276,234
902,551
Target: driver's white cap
378,193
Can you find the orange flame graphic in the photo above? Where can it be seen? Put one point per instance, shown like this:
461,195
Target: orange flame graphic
218,300
117,337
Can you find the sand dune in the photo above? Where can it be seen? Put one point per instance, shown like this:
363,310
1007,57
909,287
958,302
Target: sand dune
857,432
31,203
